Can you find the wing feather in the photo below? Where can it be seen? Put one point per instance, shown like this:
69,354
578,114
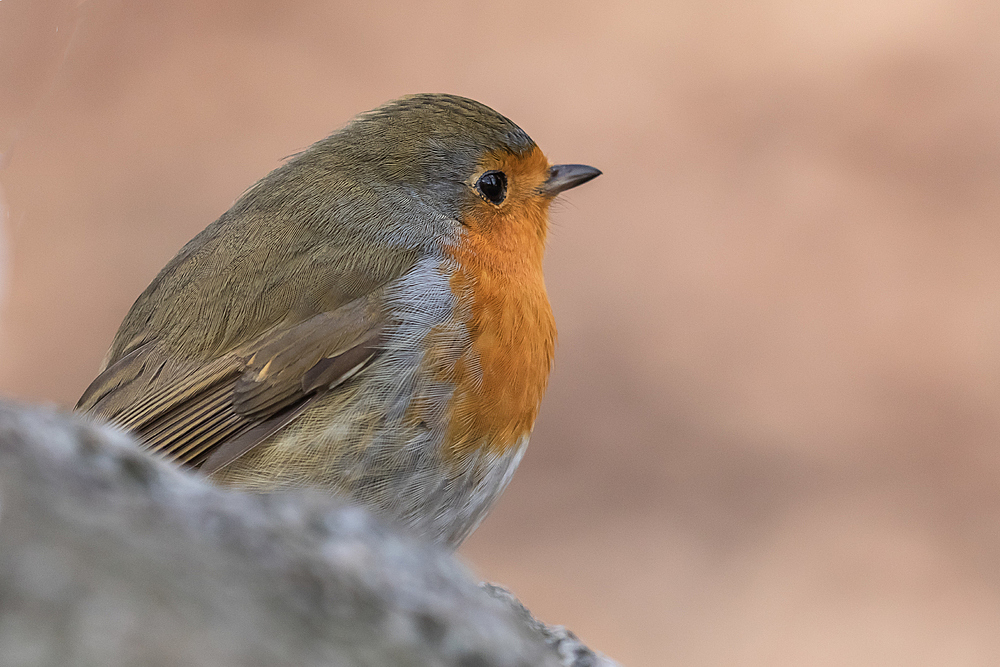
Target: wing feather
208,414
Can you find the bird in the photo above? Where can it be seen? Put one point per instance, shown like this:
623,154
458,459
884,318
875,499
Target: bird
369,319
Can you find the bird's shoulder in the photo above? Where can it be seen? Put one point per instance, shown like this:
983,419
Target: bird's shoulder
193,410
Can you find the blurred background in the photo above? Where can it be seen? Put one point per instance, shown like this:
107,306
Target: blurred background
772,434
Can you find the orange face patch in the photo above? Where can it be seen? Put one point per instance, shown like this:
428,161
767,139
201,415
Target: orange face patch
500,381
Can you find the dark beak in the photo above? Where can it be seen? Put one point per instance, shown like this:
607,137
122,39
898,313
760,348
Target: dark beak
565,176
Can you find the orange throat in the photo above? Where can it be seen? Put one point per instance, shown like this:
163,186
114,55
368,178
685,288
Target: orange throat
500,291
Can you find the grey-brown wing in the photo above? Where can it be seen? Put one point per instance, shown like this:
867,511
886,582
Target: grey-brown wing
208,413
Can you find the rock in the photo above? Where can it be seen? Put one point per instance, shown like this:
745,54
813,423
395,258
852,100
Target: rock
110,557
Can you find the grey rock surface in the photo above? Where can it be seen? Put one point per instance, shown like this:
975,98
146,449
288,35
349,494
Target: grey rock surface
109,557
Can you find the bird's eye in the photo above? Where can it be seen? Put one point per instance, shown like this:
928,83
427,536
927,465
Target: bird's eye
493,187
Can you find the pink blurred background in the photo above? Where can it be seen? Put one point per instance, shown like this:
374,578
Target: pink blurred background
772,435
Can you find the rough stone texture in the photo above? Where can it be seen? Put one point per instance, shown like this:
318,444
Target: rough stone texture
572,652
109,557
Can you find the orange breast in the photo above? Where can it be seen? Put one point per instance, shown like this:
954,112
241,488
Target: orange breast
500,380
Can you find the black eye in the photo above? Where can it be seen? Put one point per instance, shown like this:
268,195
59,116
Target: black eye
493,187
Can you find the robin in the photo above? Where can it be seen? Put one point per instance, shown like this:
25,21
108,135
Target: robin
370,318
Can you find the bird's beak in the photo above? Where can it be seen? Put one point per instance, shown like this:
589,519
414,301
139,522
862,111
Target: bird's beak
565,176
